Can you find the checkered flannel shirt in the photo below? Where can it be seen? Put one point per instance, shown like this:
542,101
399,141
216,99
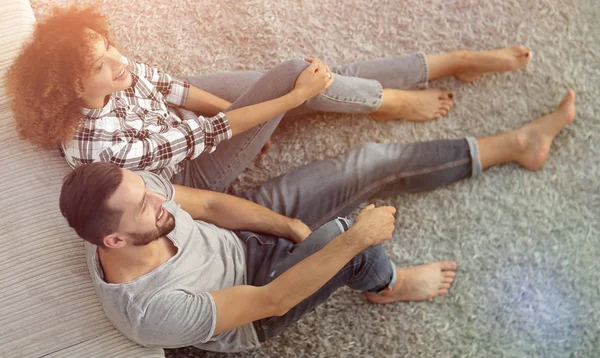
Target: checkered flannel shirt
137,130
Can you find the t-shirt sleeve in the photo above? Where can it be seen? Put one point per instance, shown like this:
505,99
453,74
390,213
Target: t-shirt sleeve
158,184
177,319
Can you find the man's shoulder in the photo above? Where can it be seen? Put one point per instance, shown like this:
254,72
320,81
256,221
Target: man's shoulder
158,184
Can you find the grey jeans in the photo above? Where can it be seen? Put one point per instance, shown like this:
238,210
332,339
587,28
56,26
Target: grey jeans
357,88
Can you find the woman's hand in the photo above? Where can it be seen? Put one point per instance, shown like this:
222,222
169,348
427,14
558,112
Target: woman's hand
313,80
298,230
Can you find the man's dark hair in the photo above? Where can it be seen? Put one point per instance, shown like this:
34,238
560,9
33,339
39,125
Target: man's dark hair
83,198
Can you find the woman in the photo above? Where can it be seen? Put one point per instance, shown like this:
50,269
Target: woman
97,105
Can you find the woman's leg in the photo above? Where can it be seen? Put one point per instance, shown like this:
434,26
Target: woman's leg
397,86
466,66
469,65
376,83
386,94
217,170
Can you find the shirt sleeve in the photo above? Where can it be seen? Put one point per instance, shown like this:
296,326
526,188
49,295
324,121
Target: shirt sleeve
175,91
178,319
153,150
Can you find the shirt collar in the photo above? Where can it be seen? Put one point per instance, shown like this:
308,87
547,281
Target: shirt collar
95,113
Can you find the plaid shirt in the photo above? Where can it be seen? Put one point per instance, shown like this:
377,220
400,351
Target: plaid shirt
138,131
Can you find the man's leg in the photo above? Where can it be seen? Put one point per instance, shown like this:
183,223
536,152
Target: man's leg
320,191
268,257
370,271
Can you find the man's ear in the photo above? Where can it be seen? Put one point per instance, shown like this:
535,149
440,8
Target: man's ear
113,241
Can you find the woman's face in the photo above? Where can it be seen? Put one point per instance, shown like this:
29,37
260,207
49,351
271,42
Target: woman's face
108,73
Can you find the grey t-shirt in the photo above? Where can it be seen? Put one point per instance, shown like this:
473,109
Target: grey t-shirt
171,305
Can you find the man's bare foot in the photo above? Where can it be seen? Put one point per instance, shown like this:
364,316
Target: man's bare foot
418,283
478,63
533,140
420,105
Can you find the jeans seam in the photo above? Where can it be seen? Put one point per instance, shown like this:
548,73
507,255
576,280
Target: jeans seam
391,178
346,101
425,79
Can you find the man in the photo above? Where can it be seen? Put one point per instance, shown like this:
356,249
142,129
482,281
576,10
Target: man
175,266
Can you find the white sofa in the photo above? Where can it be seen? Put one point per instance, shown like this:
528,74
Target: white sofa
47,304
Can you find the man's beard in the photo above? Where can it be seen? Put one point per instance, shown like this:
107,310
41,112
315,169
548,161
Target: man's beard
153,235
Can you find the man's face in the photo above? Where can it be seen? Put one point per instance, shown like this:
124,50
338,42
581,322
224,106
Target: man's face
144,219
107,73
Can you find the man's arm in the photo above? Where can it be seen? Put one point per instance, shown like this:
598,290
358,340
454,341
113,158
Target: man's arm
202,102
233,213
178,318
240,305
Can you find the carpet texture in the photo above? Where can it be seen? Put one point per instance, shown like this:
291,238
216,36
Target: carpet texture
527,243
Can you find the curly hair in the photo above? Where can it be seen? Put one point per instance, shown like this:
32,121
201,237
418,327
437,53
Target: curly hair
46,80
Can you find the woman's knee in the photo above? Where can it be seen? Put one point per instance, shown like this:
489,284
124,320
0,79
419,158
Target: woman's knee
281,79
295,66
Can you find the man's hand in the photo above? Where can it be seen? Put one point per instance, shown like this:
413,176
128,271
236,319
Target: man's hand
298,230
375,225
313,80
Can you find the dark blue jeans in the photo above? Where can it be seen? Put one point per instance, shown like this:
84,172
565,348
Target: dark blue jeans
268,257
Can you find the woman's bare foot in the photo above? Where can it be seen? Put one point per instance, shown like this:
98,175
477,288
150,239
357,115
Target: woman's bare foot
418,283
420,105
477,63
533,140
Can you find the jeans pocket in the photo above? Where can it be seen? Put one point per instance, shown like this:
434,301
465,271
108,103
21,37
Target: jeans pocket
248,237
264,241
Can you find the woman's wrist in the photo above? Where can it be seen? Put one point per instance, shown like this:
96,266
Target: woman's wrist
297,97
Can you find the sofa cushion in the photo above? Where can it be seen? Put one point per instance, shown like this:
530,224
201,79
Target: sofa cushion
47,303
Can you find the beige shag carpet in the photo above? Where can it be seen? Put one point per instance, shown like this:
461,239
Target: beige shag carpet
528,243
